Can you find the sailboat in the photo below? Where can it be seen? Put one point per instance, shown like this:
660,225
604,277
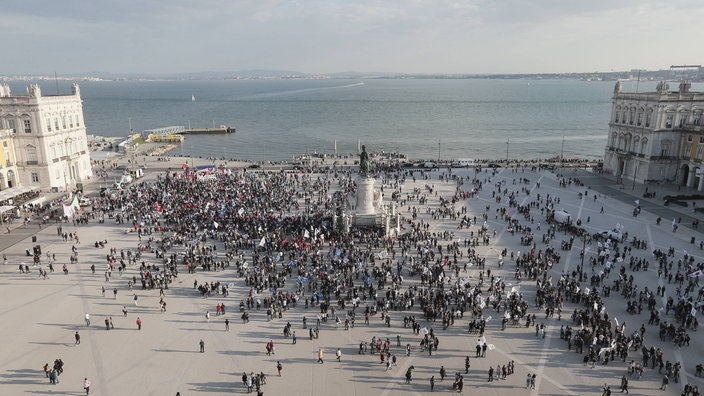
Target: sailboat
193,98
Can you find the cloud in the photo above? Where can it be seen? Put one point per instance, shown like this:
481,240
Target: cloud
318,36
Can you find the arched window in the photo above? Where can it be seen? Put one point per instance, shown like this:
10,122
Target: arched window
632,116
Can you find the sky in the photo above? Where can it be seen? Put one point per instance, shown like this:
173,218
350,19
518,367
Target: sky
41,37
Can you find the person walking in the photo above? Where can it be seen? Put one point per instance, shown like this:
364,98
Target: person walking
338,354
442,373
139,323
320,355
202,346
227,325
87,319
279,367
432,383
624,384
78,338
86,385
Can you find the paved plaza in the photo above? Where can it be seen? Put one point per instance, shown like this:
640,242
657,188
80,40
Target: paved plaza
41,316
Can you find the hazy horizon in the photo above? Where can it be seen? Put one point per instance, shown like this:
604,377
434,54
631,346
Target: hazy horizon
320,37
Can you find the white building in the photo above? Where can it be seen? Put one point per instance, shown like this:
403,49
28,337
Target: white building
655,136
49,138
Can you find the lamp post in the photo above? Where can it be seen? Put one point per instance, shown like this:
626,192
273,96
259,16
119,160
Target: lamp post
635,172
507,143
584,248
562,150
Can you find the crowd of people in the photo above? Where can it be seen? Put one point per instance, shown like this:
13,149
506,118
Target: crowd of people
282,234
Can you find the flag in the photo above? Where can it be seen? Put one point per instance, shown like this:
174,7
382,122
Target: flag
262,242
215,224
240,212
694,311
696,274
637,201
306,234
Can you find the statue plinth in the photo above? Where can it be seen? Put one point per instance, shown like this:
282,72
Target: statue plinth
365,196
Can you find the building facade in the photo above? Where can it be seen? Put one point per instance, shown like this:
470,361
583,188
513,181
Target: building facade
656,136
44,139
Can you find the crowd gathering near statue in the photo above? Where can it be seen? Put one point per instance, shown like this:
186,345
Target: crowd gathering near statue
279,235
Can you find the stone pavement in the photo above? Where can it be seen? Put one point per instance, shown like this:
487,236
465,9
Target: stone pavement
42,315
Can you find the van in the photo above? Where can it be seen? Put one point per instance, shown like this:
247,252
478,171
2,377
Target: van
562,217
429,165
614,234
462,163
137,173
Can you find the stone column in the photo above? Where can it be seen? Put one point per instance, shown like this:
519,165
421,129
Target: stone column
365,196
690,177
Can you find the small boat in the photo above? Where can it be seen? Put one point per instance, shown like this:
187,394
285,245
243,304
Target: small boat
193,98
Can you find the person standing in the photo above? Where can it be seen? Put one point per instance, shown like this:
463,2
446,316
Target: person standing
432,383
442,373
202,346
86,385
78,338
139,323
293,337
87,319
227,325
320,355
338,354
665,382
279,367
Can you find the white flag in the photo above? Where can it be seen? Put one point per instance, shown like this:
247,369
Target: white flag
262,242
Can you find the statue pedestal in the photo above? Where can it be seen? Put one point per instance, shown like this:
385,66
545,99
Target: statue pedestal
365,197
